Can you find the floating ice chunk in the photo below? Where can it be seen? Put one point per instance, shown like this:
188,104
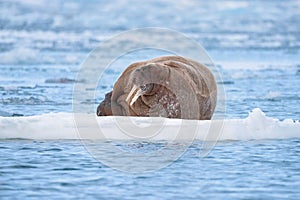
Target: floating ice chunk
256,126
272,95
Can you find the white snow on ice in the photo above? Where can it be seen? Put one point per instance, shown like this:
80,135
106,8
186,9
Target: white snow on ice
55,126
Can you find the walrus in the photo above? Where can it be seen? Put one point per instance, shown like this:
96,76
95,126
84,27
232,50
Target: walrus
167,86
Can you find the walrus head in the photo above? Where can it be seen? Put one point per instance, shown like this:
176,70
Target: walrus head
146,80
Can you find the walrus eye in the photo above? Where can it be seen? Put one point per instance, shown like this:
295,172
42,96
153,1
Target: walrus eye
146,88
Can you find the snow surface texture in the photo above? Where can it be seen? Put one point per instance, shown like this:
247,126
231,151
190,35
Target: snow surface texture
56,126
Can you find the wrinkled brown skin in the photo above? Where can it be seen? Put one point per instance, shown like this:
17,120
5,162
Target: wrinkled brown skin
171,76
104,108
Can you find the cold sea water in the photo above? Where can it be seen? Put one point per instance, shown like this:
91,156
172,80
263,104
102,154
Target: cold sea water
256,48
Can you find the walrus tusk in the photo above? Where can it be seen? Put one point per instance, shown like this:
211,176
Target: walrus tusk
133,90
138,93
136,96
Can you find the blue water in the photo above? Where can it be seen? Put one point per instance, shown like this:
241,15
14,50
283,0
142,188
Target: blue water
255,45
233,170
